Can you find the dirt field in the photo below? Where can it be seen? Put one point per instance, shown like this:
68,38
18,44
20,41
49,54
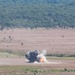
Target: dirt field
55,41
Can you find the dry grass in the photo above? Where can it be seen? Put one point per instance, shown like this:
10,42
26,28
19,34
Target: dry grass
29,70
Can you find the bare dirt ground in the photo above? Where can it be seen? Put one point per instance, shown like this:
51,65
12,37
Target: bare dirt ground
55,41
51,63
58,64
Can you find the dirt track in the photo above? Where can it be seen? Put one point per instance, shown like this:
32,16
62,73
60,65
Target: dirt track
22,61
51,63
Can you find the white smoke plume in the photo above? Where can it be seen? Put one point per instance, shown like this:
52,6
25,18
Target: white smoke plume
41,58
44,52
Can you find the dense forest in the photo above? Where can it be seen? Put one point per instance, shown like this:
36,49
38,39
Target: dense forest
37,13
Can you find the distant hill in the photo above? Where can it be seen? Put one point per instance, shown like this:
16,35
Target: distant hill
37,13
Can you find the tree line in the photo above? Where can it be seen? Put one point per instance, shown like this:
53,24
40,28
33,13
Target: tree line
37,13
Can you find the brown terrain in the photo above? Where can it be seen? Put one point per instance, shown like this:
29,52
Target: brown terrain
55,41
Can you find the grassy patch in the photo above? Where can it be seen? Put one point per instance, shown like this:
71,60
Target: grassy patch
5,54
60,58
27,70
61,55
11,53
